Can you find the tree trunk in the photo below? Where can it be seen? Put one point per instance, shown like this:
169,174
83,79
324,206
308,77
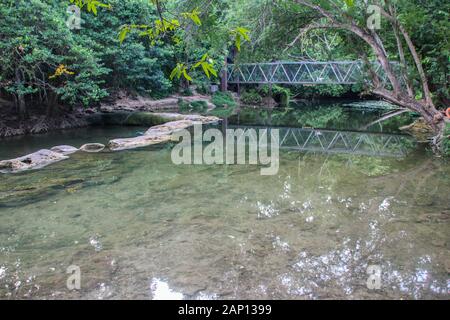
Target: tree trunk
224,78
20,102
52,99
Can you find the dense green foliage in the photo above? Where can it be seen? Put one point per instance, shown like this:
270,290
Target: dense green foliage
254,96
225,105
275,24
223,100
122,46
36,40
251,97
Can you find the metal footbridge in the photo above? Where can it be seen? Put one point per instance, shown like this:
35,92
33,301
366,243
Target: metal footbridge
302,72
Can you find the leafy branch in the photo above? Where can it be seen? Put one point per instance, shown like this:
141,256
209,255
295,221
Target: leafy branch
91,5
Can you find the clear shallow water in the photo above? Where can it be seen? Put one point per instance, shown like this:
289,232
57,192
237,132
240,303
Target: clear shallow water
140,227
18,146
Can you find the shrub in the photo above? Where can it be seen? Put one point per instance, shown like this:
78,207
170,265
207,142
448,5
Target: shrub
251,97
279,94
223,99
187,92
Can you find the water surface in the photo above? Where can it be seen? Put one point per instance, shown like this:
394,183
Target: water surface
139,226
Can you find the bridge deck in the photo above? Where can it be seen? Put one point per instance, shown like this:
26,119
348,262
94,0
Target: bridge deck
303,72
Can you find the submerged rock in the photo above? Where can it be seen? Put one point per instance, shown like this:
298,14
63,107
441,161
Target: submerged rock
92,147
65,150
35,189
34,160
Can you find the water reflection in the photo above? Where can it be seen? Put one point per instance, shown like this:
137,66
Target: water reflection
140,227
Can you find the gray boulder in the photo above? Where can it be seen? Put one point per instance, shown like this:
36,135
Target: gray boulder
34,160
65,150
137,142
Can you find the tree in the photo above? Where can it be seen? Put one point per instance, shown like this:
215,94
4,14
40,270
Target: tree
351,17
44,63
40,58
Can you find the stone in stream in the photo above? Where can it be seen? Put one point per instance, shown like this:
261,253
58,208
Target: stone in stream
170,127
92,147
65,150
161,133
136,142
192,117
34,160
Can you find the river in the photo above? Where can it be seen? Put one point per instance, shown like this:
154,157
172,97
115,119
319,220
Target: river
140,227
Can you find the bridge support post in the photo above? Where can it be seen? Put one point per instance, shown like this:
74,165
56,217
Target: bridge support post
224,78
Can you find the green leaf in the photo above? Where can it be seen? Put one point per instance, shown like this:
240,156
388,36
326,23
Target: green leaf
174,73
212,70
205,69
185,74
349,3
194,16
123,33
244,33
238,42
195,66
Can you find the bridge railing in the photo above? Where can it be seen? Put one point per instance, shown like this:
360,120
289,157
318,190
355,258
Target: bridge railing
302,72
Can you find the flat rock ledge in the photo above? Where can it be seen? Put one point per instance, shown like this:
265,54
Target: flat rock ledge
34,160
137,142
161,133
145,104
154,135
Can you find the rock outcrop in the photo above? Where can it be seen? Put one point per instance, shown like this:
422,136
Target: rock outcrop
136,142
34,160
161,133
125,103
170,127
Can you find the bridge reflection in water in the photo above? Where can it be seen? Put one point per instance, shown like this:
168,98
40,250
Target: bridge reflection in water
333,141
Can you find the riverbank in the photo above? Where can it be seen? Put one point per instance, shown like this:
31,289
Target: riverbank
164,124
38,122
